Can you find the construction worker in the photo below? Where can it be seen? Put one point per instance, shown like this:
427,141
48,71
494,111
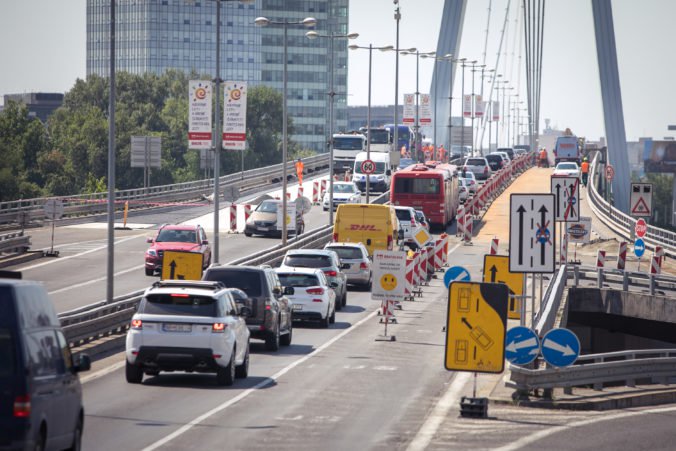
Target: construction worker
544,162
585,171
300,166
441,152
427,150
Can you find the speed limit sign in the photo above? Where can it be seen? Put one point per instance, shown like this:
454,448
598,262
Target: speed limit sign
368,167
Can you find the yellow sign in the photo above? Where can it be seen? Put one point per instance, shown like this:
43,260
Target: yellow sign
181,265
421,236
476,327
496,270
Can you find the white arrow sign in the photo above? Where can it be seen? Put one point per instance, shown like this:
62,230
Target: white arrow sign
566,191
566,350
532,239
514,346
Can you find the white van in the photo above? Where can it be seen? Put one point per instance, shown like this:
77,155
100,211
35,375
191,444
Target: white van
380,179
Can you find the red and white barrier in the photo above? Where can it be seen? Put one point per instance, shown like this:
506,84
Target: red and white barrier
248,208
445,249
315,192
322,188
494,246
410,270
300,191
655,267
564,249
438,254
423,266
431,268
600,258
622,255
417,270
233,217
659,252
460,221
469,225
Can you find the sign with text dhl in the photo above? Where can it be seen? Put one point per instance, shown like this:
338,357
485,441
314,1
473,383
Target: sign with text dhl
476,326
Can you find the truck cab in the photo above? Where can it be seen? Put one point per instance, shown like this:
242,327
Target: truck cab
345,149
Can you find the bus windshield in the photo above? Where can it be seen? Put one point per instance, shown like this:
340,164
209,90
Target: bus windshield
348,143
403,185
379,136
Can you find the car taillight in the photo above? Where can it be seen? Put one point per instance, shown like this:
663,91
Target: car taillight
335,237
413,224
316,290
136,324
180,295
363,265
318,300
22,406
389,242
331,273
485,169
218,327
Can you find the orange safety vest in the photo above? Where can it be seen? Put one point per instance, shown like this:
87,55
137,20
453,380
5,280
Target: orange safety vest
543,154
585,167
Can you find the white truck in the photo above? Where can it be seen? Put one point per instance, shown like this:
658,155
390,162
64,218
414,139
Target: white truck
345,149
381,142
567,148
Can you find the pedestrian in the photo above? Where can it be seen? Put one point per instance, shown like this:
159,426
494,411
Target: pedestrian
544,162
585,171
348,175
300,166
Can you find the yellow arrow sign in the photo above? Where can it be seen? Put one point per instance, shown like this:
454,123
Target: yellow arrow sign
182,265
476,326
496,270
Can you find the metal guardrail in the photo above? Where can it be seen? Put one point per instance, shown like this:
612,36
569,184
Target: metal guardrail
24,211
627,367
551,302
14,243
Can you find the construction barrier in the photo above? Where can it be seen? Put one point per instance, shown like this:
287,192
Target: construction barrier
469,225
431,268
659,252
233,217
315,192
248,208
423,266
322,188
494,246
655,265
417,280
600,258
460,221
410,270
622,255
300,191
445,238
438,254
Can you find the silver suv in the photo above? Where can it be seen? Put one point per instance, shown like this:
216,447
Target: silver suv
479,166
357,256
327,261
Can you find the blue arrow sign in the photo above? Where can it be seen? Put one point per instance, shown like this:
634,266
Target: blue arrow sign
639,247
456,274
523,345
560,347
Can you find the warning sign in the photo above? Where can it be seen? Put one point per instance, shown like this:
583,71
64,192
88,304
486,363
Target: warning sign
641,200
181,265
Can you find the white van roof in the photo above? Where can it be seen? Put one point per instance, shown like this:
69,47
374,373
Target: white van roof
375,156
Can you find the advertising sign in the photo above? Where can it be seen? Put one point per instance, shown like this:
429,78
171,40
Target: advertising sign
199,114
495,110
425,109
479,106
579,232
290,214
467,106
409,109
659,156
234,115
389,275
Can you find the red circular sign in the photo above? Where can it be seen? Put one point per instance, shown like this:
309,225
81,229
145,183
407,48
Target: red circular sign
640,228
610,173
368,167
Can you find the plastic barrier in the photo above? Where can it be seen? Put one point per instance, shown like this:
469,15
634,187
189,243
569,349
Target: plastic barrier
248,208
322,188
410,270
438,254
655,265
494,246
423,266
445,238
469,225
460,220
315,192
431,268
300,191
233,217
600,258
622,255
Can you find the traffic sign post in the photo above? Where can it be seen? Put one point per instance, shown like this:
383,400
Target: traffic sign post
456,274
182,265
560,347
523,345
641,199
53,210
368,167
610,173
389,283
640,228
566,191
496,270
532,236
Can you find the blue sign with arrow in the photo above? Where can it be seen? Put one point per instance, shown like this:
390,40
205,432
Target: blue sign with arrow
560,347
523,345
456,274
639,247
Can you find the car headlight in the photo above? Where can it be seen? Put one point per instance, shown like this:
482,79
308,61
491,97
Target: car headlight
151,252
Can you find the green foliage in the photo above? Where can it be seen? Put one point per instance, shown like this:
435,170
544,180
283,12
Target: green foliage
662,210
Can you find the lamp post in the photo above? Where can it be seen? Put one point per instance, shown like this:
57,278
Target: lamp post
484,73
474,66
264,22
462,90
395,138
417,54
450,109
368,110
447,57
331,38
501,87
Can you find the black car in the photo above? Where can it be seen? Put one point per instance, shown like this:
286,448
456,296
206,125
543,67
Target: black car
40,392
495,161
270,318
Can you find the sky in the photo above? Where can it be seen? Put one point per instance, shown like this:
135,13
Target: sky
44,49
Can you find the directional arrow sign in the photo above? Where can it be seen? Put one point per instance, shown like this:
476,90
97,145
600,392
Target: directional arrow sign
496,270
523,345
566,191
532,239
639,247
182,265
560,347
456,274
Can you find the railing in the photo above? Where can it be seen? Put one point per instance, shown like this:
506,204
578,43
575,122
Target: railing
551,302
14,243
24,211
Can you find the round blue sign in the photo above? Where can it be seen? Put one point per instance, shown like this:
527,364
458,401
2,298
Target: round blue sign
456,274
522,345
639,248
560,347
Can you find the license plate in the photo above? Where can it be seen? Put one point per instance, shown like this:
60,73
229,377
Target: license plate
297,307
173,327
263,229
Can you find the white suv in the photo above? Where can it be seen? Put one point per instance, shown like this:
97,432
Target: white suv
407,223
188,326
313,297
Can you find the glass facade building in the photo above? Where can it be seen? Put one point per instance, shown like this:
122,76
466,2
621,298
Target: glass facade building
157,35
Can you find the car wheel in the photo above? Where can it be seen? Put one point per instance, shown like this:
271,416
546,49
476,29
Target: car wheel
40,439
344,302
368,285
272,340
150,272
339,302
77,437
332,319
285,340
226,375
248,234
324,322
133,373
242,371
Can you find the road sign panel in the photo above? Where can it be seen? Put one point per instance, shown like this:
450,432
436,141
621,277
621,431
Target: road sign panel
475,327
579,232
532,239
368,167
639,248
560,347
456,274
182,265
610,173
389,275
230,193
54,209
641,200
496,270
421,236
290,216
523,345
566,191
640,228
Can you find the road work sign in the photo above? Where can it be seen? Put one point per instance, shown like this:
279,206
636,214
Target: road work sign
389,275
476,326
566,191
496,270
181,265
641,199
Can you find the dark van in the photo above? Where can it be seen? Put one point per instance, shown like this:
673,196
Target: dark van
40,393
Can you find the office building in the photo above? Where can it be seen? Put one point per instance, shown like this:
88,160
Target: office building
39,104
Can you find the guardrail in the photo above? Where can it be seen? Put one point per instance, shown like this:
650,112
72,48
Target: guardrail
22,212
623,224
14,243
627,367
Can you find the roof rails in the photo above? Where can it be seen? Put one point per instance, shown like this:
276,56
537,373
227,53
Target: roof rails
205,284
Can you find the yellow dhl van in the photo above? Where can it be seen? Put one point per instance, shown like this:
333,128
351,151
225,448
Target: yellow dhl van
375,226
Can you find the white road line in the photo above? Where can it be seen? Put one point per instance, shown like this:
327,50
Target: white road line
102,372
527,440
257,387
439,414
100,279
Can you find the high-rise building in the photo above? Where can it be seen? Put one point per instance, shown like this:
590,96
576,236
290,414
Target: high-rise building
156,35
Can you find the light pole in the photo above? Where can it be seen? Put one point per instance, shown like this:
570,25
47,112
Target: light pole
395,138
264,22
447,57
501,87
450,109
484,73
331,38
417,54
462,90
474,66
368,110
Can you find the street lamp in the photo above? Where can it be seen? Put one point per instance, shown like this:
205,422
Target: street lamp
450,110
474,66
484,73
462,109
417,54
501,87
330,37
264,22
368,111
447,57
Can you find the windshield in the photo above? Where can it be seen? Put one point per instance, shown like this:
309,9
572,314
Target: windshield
308,261
343,188
176,236
567,166
380,168
298,280
379,136
247,281
267,207
405,185
348,143
347,253
175,304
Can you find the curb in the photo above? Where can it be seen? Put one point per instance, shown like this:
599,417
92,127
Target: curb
23,258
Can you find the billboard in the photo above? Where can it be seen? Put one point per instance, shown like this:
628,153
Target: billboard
659,156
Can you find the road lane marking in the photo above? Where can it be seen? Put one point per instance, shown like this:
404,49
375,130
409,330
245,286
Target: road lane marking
102,372
257,387
100,279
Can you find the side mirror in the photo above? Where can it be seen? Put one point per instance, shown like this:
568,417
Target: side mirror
149,240
244,311
277,291
289,290
82,362
205,242
333,284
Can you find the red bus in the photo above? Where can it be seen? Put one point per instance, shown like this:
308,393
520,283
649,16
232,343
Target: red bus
430,188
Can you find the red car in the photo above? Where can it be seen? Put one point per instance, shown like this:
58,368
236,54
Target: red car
186,238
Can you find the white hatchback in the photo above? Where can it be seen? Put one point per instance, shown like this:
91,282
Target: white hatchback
185,325
313,298
343,193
